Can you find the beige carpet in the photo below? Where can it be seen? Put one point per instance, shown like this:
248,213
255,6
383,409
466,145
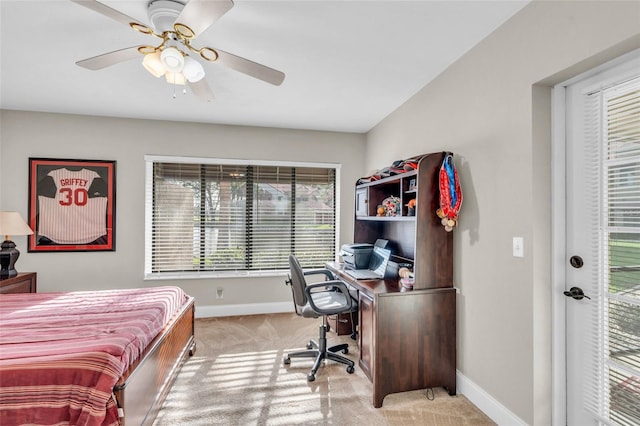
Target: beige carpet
237,377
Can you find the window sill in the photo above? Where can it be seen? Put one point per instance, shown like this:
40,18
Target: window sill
213,275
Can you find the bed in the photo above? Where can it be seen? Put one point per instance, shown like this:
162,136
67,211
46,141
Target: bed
92,358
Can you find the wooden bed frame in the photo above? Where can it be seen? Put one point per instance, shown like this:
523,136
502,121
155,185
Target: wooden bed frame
143,388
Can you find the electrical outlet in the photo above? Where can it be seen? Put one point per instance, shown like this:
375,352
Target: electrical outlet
518,247
220,293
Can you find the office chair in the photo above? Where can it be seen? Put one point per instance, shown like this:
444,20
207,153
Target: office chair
324,298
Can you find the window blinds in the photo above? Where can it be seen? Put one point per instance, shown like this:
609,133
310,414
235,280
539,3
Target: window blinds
239,217
613,394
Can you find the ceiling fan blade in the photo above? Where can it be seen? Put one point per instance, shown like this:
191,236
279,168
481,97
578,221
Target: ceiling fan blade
107,11
201,14
111,58
202,90
254,69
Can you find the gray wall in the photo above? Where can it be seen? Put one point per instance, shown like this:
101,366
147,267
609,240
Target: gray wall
492,108
29,134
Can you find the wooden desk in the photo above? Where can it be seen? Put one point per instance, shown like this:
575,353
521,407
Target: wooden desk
407,338
24,282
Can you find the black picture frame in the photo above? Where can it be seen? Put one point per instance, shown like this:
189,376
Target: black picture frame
72,205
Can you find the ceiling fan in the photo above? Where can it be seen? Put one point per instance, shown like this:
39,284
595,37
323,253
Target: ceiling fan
176,25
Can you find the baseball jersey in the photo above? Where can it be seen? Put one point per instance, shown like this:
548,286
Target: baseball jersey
74,215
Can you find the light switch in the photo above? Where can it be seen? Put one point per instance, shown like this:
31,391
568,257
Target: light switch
518,247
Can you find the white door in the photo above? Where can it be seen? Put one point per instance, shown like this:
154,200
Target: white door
602,275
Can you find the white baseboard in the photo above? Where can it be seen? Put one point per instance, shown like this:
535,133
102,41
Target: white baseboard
485,402
243,309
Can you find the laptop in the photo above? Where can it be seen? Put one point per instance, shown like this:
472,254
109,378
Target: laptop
377,266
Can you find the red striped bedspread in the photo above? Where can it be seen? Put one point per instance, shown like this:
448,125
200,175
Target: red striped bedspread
62,353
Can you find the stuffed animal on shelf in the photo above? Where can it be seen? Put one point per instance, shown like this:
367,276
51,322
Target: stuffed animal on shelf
391,205
411,207
406,277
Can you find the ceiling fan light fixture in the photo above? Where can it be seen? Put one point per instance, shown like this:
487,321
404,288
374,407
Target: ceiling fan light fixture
175,78
184,31
147,49
154,65
172,59
193,70
141,28
208,54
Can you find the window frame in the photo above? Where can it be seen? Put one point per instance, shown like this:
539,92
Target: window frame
150,160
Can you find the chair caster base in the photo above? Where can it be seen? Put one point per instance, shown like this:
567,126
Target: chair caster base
311,377
286,361
350,369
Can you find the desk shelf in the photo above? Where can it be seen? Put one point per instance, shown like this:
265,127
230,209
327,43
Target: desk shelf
388,218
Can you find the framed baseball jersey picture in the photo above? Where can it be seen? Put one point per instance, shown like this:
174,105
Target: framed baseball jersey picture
72,205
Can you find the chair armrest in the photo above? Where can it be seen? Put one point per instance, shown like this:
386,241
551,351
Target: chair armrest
325,272
330,288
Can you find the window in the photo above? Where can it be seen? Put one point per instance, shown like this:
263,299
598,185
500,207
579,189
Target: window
622,253
216,217
613,379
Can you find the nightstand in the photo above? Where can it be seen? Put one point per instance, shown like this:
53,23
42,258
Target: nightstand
24,282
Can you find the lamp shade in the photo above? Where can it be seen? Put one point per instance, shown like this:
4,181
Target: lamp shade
153,64
11,223
172,59
192,70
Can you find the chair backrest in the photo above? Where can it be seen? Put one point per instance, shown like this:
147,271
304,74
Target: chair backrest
298,283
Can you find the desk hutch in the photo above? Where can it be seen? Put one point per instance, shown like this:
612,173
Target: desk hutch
407,338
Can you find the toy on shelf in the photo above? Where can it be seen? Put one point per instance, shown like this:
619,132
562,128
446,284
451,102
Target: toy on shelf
391,205
411,207
406,277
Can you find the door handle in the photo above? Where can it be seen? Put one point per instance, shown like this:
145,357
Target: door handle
576,293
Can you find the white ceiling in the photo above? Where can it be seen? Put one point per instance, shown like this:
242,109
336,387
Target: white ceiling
348,64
